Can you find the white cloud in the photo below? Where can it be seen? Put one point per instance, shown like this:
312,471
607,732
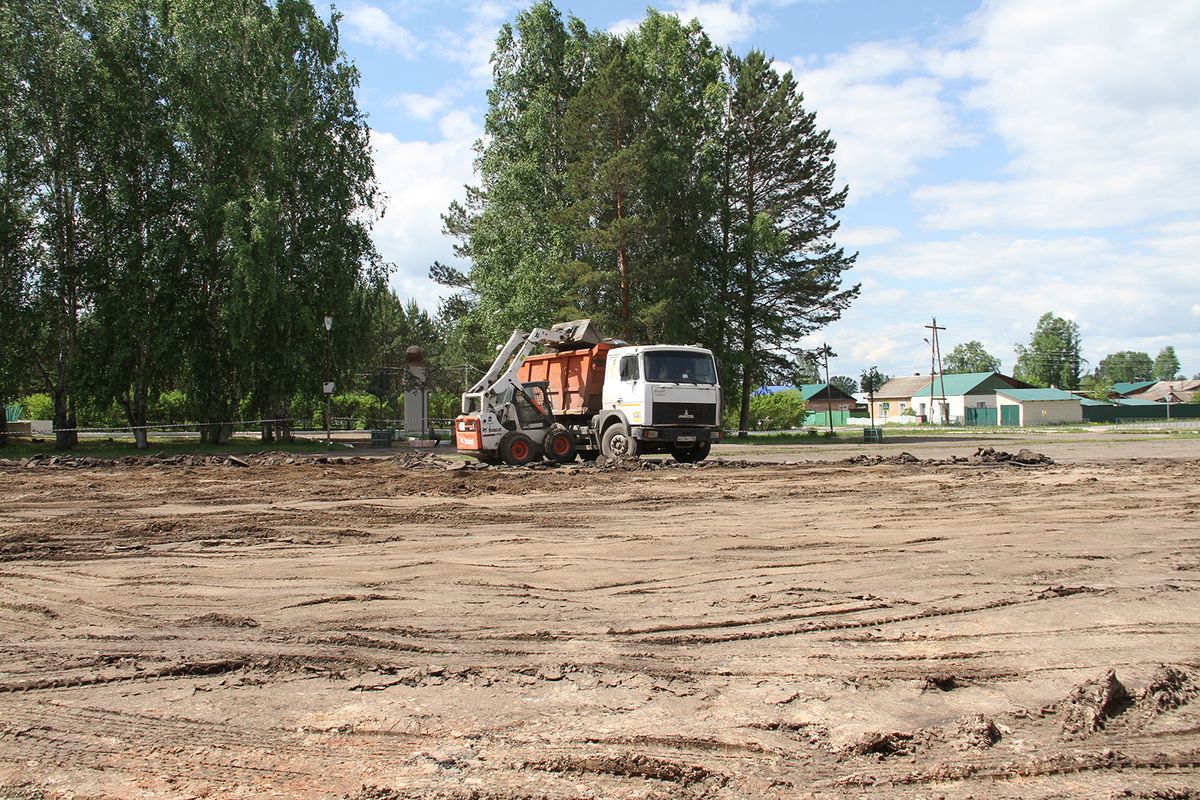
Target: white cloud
1096,102
471,45
885,112
624,26
373,26
421,178
419,106
994,287
724,21
867,236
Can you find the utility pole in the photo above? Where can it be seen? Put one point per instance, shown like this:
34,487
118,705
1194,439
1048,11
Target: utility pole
328,387
825,352
935,358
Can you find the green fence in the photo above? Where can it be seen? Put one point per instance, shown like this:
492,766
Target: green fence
820,419
13,413
1117,413
979,416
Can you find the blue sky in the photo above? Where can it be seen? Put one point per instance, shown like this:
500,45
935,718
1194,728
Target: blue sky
1004,159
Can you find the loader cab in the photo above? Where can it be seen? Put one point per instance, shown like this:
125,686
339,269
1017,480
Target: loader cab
526,407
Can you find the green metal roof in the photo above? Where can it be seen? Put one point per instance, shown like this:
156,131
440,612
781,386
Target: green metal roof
1125,387
1024,395
1119,401
808,391
961,383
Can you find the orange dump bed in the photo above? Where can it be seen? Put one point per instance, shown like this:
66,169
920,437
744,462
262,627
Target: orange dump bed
576,377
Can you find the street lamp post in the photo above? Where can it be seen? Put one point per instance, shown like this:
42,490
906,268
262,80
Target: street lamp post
328,381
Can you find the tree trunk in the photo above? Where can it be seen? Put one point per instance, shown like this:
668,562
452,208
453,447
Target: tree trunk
62,437
747,373
284,426
4,429
135,414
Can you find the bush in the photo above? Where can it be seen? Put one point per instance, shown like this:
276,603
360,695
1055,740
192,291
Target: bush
357,406
781,411
37,406
171,408
444,405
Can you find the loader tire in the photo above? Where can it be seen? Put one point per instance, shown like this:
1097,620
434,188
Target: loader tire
559,446
617,443
517,450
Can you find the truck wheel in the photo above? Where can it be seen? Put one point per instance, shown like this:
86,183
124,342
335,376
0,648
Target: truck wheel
690,455
516,449
617,443
559,445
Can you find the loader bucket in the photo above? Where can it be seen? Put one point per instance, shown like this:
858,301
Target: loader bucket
577,334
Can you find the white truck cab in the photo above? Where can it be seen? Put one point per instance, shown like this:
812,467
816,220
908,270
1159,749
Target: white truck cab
658,399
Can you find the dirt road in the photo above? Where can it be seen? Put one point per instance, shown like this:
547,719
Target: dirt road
368,631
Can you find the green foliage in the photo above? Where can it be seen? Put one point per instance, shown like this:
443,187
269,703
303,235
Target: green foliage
1125,367
357,406
1101,389
1166,365
38,406
648,182
782,269
970,357
777,412
844,383
1052,357
445,405
872,379
188,191
172,408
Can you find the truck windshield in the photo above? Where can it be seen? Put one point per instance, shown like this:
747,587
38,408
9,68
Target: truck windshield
679,366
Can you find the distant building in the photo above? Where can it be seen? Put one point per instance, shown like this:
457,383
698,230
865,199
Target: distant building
1180,391
895,396
1029,407
1131,388
970,397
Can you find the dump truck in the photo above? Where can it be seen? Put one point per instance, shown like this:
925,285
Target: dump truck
588,396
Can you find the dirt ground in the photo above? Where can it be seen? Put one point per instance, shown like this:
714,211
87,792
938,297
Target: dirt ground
375,631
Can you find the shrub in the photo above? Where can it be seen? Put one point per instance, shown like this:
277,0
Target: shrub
171,408
777,412
357,406
38,406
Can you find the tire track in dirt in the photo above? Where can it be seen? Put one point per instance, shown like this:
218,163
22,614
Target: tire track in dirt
464,635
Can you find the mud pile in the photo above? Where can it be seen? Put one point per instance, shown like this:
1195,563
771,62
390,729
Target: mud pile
990,455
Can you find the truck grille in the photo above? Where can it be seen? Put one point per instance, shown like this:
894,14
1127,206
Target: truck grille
685,413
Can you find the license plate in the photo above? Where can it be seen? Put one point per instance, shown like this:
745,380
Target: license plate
686,439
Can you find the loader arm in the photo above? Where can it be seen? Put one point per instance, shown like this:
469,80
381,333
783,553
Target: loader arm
503,371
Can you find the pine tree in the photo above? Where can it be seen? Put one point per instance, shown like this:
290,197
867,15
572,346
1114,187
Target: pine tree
606,177
780,206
